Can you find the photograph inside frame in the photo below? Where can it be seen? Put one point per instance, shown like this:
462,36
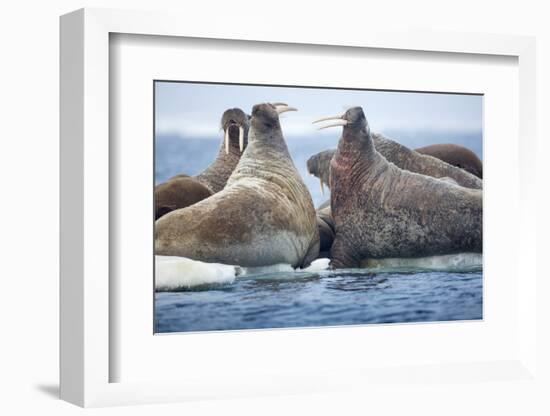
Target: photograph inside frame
294,207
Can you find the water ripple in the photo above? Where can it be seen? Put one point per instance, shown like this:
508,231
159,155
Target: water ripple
340,297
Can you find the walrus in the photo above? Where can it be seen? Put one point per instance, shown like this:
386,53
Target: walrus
263,216
178,192
404,158
383,211
235,124
455,155
319,166
182,190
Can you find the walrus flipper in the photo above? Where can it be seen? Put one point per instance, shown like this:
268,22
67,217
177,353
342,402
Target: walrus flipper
342,255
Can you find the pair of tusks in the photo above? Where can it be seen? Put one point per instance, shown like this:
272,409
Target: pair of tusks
340,121
241,139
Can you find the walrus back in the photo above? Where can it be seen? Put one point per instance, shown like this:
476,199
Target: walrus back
455,155
410,160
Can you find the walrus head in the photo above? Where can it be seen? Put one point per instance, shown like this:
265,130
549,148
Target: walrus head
353,120
235,124
318,165
265,117
356,133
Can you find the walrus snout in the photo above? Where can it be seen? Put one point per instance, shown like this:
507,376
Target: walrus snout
265,116
271,109
313,165
235,123
235,115
354,118
233,128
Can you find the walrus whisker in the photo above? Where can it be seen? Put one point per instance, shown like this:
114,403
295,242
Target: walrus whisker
281,110
241,138
327,118
226,138
335,124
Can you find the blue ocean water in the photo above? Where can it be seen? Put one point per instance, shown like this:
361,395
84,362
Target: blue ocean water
345,297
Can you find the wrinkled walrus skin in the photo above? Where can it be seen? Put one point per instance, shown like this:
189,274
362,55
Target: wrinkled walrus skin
402,157
264,215
455,155
382,211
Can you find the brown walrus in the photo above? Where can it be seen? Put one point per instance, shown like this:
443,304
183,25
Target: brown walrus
455,155
181,190
178,192
235,124
382,211
404,158
263,216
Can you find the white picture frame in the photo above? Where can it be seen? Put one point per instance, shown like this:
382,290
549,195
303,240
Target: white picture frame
86,356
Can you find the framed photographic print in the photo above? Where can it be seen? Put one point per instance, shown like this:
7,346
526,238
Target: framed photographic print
237,261
306,209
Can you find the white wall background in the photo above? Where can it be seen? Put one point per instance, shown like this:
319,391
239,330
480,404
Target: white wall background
29,210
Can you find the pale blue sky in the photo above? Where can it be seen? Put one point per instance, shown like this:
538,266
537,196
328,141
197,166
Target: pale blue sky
195,109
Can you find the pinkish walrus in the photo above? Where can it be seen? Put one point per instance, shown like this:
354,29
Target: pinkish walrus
383,211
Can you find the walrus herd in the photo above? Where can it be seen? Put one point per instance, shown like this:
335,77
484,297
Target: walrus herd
250,207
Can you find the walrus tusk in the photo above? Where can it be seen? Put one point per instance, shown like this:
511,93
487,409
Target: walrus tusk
281,109
278,104
327,118
322,188
241,138
335,124
226,138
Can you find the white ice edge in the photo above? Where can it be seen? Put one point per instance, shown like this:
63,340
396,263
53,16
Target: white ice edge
177,273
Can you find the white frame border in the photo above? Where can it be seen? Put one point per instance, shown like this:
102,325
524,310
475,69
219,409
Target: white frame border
84,183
